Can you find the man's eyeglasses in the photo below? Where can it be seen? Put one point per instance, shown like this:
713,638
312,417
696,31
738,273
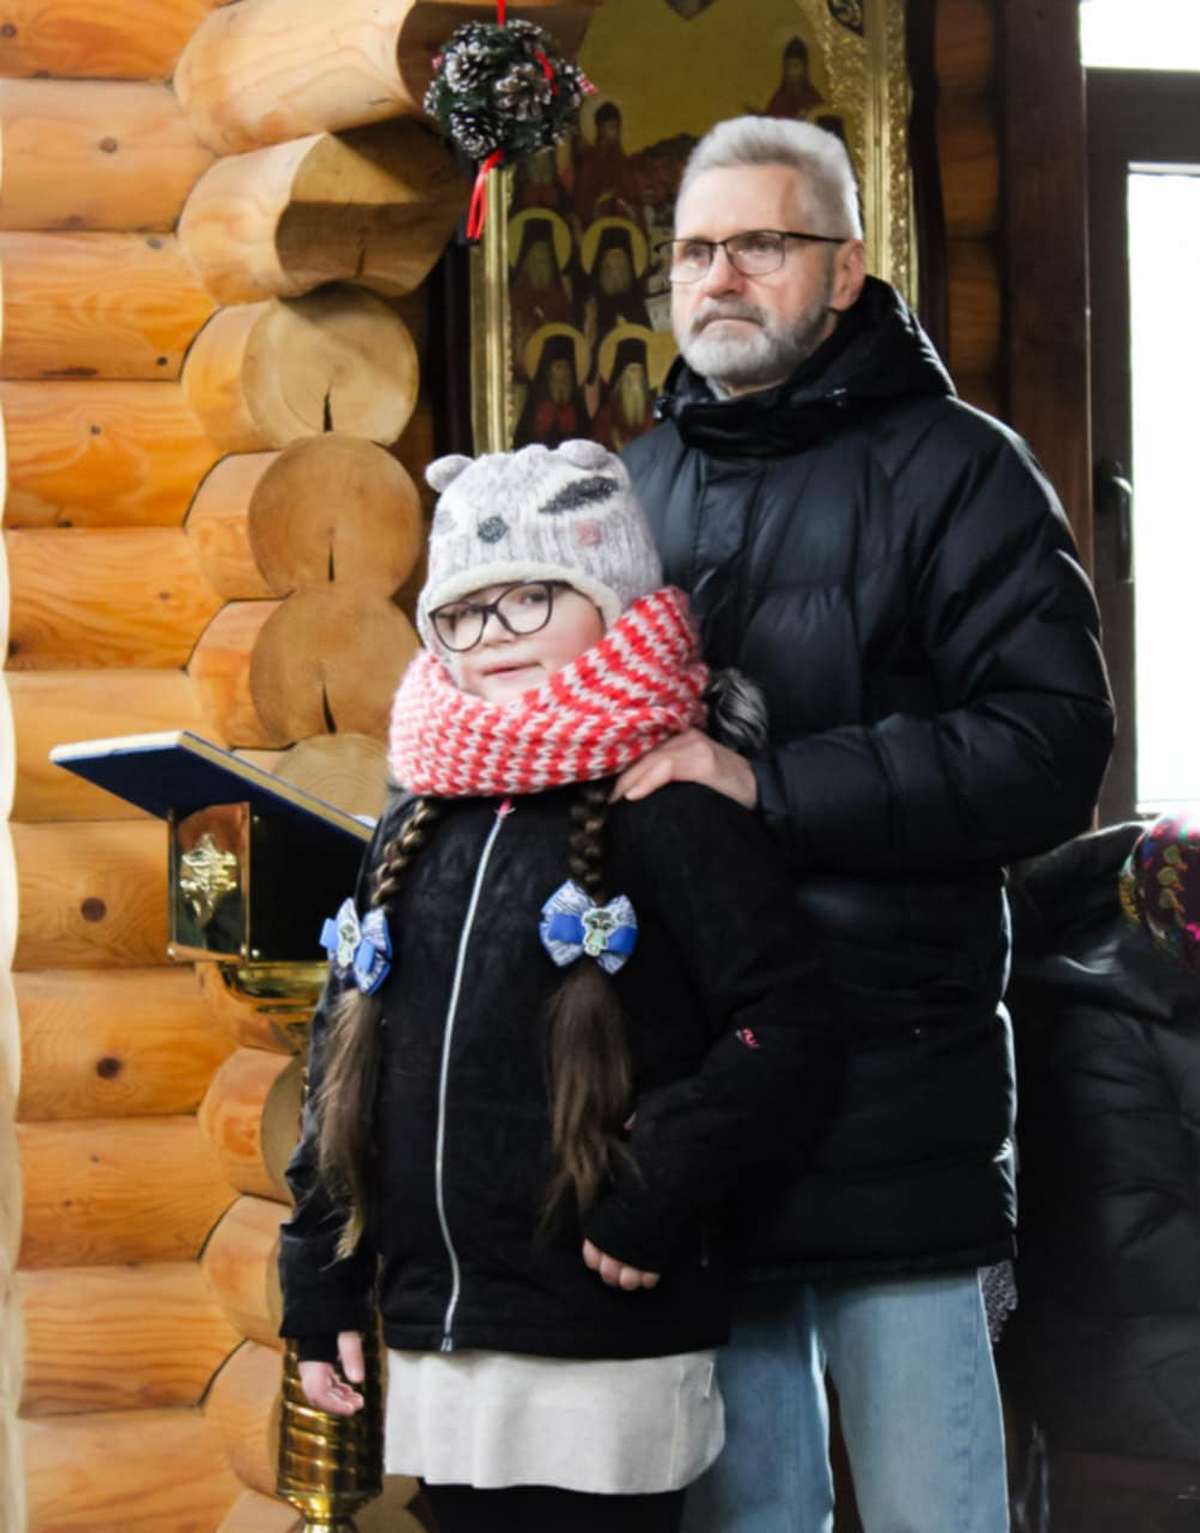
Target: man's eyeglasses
756,253
521,609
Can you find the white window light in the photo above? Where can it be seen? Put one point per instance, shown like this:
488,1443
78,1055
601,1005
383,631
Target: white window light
1140,34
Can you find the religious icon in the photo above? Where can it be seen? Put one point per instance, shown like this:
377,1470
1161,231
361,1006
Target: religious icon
554,411
538,291
796,95
614,258
624,369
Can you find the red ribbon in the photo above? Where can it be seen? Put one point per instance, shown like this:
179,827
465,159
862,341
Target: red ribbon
477,209
501,7
547,70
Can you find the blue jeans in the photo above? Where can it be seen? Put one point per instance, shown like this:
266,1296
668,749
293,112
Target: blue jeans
920,1410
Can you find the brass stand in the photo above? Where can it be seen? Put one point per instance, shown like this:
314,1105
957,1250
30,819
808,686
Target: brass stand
330,1466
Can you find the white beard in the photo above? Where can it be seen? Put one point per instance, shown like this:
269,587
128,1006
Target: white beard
755,355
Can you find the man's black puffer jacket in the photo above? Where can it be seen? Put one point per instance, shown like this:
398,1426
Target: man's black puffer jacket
892,569
1105,1343
723,982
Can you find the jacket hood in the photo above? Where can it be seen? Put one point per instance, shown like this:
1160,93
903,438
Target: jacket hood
1060,896
878,353
1073,945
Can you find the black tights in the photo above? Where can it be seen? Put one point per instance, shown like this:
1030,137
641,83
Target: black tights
543,1509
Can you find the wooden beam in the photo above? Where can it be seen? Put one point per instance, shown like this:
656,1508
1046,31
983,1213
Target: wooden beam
965,46
262,375
1045,248
77,39
54,707
99,1192
114,1043
130,596
220,672
97,306
374,206
250,1115
241,1266
330,659
86,155
101,454
91,895
267,524
976,308
127,1472
120,1338
244,1405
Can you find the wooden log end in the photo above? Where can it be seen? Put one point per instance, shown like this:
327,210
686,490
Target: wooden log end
250,1116
244,1405
240,1268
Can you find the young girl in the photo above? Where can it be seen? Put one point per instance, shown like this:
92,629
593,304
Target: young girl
557,1032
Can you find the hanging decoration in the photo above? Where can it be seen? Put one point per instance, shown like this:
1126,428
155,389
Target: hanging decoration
502,90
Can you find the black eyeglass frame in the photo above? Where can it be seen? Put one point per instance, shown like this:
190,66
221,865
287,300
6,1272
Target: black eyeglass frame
485,609
715,245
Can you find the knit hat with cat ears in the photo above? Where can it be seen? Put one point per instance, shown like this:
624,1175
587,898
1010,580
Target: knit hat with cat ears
566,513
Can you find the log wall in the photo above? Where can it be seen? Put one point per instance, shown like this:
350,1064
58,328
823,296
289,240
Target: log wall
212,249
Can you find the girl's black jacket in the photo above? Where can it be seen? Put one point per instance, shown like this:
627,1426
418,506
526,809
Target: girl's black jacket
733,1068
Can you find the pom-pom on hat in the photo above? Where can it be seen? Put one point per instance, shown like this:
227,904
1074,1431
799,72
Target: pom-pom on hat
1160,885
567,513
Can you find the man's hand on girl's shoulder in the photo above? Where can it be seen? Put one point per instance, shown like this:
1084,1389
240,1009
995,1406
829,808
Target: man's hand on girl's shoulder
690,757
617,1274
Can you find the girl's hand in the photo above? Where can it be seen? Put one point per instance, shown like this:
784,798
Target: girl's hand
617,1274
322,1387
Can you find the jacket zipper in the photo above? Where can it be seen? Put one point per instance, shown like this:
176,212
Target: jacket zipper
502,812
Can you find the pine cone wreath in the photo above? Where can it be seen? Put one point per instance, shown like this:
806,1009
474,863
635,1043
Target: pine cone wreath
504,87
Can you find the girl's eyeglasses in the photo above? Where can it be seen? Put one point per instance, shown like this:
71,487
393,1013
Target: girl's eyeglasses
521,609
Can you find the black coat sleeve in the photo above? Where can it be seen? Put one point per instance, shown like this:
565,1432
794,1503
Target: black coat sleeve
323,1294
1010,761
766,1085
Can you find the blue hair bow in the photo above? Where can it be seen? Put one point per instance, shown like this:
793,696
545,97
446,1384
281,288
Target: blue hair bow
362,947
572,924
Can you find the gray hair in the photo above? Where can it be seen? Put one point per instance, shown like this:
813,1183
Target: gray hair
818,156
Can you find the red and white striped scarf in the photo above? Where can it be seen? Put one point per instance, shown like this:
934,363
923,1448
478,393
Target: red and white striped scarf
641,684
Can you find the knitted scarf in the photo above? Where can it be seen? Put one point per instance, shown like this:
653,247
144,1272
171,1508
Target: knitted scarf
641,684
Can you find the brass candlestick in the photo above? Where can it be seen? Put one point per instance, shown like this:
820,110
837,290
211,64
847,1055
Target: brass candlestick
330,1466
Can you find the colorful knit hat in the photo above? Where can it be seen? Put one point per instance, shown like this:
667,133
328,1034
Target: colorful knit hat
567,513
1160,885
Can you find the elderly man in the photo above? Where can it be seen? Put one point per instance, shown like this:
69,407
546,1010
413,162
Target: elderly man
894,572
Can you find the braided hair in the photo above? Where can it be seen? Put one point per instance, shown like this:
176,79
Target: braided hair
347,1090
590,1077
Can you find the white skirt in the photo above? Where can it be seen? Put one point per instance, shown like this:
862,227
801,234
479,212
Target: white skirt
611,1427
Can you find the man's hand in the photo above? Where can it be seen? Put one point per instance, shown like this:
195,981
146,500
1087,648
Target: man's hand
322,1387
691,757
617,1274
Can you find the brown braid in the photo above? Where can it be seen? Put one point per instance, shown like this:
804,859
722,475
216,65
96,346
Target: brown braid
589,1067
347,1091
